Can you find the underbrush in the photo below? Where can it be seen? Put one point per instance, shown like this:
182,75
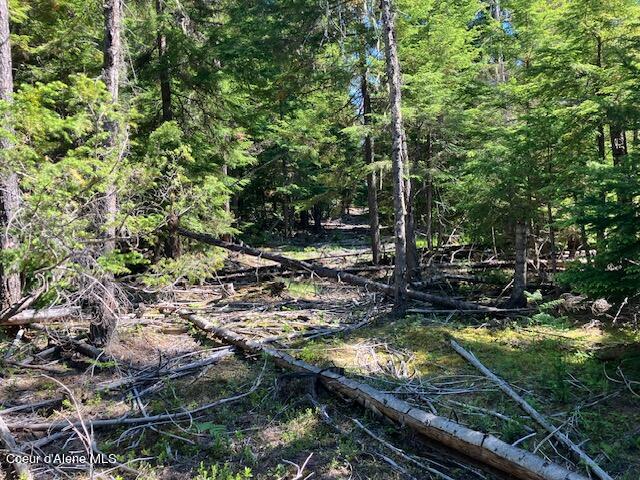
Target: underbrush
550,359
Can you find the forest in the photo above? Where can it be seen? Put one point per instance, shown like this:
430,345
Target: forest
320,239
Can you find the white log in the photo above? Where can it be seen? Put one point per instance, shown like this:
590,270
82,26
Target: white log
33,316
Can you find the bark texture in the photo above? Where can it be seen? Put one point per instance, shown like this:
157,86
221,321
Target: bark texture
398,157
372,191
10,285
103,323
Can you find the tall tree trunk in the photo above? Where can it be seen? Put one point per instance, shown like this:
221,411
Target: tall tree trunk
398,169
224,170
413,261
428,188
501,72
10,198
173,246
372,193
103,324
602,155
552,239
518,299
317,218
287,214
163,64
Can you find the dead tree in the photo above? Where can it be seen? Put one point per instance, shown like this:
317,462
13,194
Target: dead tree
372,190
483,447
10,286
398,157
104,322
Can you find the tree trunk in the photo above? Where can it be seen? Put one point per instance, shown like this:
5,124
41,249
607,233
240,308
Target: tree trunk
428,188
397,131
287,214
619,151
372,193
173,248
10,198
520,274
227,203
413,261
317,218
163,64
602,153
552,239
304,219
501,72
103,324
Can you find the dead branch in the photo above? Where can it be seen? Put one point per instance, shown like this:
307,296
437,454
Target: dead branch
123,421
555,431
400,453
9,443
34,406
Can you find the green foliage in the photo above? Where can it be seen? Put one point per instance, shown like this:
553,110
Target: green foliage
503,118
194,268
222,472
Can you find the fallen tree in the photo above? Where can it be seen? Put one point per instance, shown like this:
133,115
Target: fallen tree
332,274
480,446
26,317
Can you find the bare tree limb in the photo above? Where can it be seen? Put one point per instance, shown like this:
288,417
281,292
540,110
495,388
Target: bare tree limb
506,388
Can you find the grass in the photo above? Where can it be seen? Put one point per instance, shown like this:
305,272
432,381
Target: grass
250,438
302,289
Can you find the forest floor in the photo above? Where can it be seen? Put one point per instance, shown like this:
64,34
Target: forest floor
568,361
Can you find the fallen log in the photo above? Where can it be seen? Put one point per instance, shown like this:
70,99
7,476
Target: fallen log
9,444
502,311
555,431
480,446
333,274
34,316
51,403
